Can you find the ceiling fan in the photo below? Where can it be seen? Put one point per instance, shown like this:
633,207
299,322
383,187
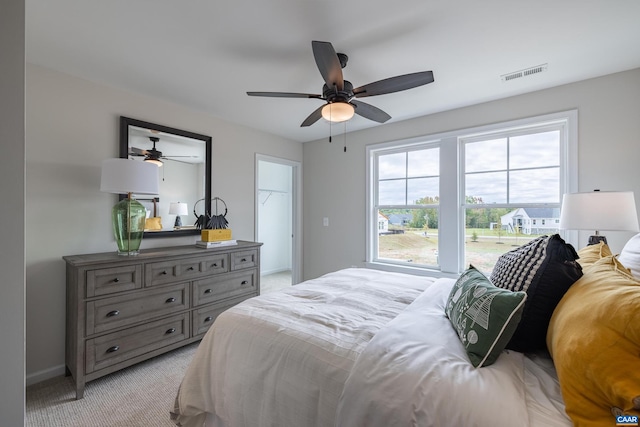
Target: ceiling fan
339,94
153,155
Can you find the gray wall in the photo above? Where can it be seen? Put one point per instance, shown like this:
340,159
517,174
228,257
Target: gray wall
72,125
608,158
12,211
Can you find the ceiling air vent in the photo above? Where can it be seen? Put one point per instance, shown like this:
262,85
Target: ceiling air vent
524,73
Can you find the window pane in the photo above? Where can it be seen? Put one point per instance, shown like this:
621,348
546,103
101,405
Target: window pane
392,166
488,187
408,235
488,155
423,191
490,233
535,150
392,192
535,186
424,162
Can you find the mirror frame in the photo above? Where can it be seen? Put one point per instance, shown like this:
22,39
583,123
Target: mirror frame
125,122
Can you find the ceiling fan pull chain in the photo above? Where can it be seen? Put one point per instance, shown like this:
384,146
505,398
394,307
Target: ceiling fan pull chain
345,136
330,124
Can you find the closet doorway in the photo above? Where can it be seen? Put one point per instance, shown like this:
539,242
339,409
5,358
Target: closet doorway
278,224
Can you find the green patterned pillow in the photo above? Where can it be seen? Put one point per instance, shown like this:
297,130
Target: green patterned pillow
484,316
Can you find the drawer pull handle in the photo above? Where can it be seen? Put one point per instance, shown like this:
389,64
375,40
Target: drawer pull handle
116,280
208,319
243,260
190,268
207,291
170,331
215,264
113,349
164,272
172,299
244,282
113,313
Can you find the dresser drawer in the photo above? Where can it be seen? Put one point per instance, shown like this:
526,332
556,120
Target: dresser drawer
115,279
244,259
204,317
107,350
160,273
230,285
109,313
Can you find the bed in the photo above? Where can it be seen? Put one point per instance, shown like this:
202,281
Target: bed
361,347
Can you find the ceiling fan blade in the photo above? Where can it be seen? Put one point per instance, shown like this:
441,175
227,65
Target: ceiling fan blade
394,84
370,112
176,160
313,117
191,157
328,64
138,152
285,95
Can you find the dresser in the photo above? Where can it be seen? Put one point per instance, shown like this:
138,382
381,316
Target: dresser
122,310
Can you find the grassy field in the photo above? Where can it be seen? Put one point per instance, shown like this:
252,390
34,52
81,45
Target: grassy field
482,252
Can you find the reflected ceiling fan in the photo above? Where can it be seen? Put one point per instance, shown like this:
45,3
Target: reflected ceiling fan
339,94
153,155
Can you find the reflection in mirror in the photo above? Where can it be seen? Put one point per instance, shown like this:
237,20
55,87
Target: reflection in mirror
184,159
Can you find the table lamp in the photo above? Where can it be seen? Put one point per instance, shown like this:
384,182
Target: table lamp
599,210
124,176
177,209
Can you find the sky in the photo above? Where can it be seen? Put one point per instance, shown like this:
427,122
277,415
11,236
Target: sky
519,169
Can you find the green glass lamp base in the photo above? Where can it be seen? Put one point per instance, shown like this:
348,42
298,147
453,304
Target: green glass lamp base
128,218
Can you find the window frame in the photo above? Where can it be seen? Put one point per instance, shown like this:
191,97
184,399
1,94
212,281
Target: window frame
451,192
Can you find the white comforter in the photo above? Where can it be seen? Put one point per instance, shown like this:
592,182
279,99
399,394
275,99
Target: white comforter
282,359
415,372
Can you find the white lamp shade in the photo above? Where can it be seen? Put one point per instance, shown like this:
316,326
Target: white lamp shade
599,210
338,111
177,208
122,176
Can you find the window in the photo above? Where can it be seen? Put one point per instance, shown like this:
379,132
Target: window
439,203
407,188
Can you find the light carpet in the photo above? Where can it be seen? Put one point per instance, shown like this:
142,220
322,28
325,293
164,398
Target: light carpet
141,395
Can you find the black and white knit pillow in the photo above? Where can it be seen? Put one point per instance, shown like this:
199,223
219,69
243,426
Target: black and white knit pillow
544,268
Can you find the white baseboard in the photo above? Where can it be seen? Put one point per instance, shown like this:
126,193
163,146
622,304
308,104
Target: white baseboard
274,270
45,374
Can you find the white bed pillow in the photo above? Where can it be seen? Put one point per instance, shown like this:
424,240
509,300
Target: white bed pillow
630,255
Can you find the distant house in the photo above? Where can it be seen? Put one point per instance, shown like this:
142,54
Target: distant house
400,219
531,220
383,224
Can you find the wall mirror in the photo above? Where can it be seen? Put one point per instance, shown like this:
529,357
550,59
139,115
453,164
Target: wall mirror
184,159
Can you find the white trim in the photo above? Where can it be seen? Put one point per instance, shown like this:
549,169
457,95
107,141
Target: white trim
45,374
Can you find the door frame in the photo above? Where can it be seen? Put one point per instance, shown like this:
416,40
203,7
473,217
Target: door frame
296,214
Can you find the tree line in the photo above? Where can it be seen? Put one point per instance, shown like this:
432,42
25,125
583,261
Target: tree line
427,218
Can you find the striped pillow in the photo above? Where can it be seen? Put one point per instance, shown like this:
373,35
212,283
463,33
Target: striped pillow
544,268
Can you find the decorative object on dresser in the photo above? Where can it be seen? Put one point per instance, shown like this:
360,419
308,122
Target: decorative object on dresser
599,210
121,311
219,220
128,215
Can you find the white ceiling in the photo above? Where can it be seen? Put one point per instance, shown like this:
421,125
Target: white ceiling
206,54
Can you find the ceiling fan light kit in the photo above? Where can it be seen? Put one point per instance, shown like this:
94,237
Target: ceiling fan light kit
339,94
337,112
156,162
